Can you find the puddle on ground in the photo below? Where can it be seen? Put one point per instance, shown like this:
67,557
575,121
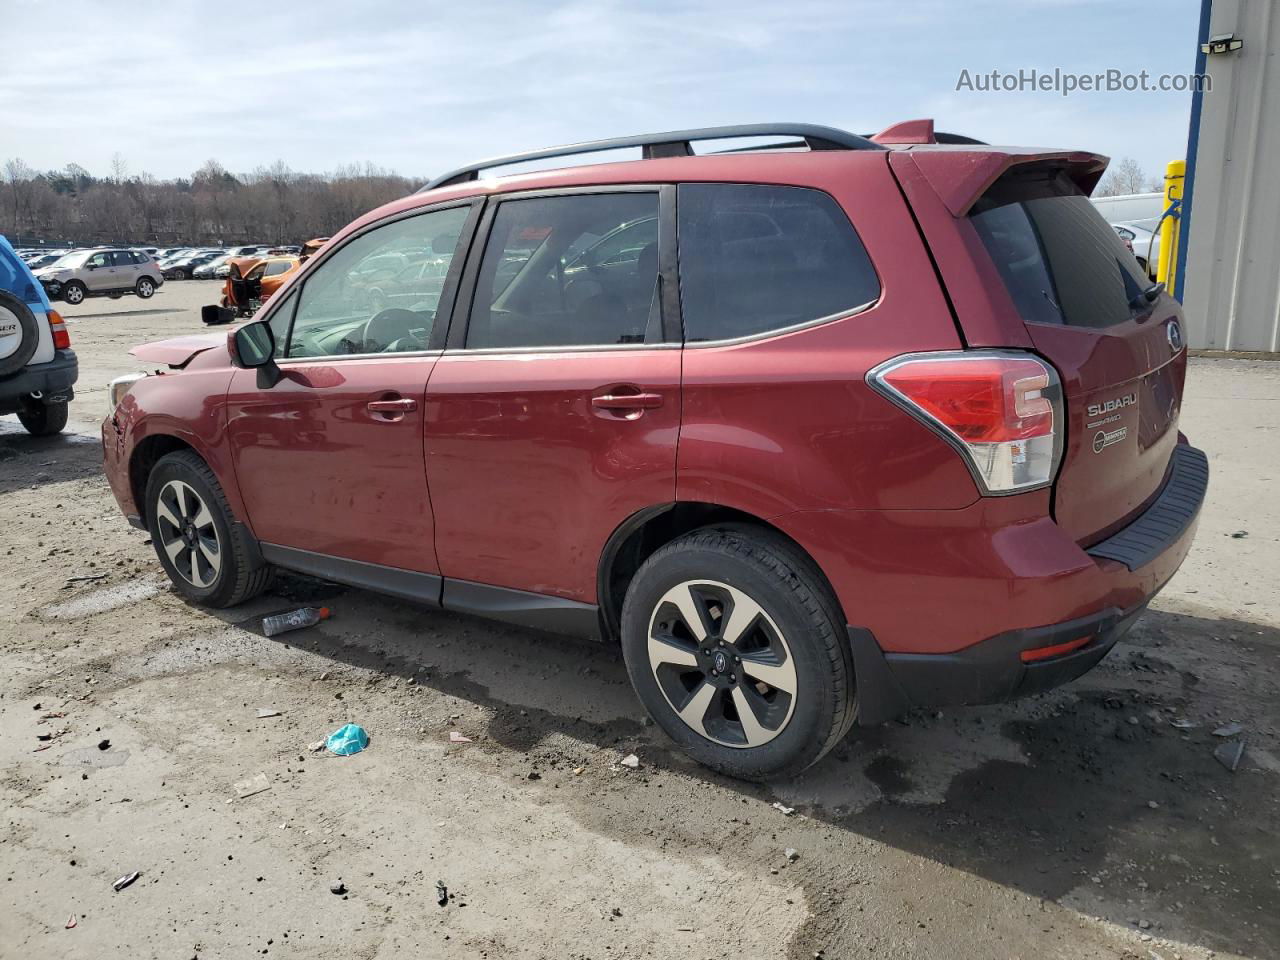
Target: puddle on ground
100,601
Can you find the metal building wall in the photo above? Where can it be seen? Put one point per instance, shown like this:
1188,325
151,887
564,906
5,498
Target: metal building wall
1232,288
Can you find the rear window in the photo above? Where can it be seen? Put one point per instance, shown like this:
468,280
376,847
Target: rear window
1061,262
755,258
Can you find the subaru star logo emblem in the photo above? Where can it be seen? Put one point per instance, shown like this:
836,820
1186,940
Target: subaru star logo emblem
1174,333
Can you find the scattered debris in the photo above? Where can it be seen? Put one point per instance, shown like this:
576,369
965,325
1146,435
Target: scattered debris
615,912
85,578
456,737
294,620
631,761
71,921
578,770
1239,534
534,775
792,854
1228,730
255,784
104,744
442,893
124,881
1153,805
1230,754
315,747
264,712
783,808
338,889
347,740
1182,723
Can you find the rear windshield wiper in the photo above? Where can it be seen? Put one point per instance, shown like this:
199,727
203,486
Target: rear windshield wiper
1144,301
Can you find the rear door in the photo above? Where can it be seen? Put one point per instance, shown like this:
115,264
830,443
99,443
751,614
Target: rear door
553,415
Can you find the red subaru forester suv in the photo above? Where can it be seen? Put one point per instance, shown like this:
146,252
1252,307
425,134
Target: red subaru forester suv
818,430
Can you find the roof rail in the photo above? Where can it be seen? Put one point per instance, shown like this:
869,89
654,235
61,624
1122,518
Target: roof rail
675,143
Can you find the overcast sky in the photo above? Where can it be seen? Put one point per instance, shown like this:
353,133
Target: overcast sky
420,87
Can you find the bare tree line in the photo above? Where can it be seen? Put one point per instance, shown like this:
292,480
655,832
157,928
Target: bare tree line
72,207
1126,176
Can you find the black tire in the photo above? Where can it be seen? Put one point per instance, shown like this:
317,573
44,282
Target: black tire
13,310
798,610
74,292
145,288
43,419
237,577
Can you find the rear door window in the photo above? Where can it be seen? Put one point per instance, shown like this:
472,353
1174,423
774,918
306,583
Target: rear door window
1061,262
756,259
573,270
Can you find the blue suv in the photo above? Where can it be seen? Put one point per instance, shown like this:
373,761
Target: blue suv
37,366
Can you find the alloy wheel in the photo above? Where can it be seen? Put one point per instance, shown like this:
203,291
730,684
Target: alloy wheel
722,663
74,295
188,534
145,288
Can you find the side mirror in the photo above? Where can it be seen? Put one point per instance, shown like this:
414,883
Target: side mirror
253,347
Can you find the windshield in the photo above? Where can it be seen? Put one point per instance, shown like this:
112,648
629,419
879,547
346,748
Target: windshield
73,259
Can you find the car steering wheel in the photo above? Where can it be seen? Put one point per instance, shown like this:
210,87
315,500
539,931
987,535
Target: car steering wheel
387,327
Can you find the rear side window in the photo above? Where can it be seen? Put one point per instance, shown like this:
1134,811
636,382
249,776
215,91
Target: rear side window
1061,262
755,259
574,270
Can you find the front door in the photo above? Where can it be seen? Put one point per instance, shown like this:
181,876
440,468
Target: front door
99,272
553,415
330,459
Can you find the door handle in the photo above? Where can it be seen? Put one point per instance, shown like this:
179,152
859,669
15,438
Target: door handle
392,409
627,401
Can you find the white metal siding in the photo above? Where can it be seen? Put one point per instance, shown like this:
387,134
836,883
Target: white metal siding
1232,287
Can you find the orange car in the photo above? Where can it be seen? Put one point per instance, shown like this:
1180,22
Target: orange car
253,279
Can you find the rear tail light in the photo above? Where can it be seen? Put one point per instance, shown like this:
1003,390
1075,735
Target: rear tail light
1002,410
58,327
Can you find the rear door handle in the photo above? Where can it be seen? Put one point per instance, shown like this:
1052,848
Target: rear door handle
627,401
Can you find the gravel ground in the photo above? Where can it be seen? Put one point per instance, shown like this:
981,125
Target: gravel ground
1080,824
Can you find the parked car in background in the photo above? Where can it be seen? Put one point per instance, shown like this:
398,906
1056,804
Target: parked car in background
95,273
1145,238
42,260
208,270
1138,214
37,367
183,268
908,475
252,280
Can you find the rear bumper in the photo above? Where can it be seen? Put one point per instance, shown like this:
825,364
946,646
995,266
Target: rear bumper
1023,661
53,380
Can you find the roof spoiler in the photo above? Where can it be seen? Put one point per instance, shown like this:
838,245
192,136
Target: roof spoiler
961,177
919,131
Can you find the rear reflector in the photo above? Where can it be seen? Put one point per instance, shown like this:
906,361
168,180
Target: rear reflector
1044,653
58,327
1002,410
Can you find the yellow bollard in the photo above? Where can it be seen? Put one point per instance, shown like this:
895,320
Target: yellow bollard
1167,267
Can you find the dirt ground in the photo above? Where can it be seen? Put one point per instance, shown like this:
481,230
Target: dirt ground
1081,824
